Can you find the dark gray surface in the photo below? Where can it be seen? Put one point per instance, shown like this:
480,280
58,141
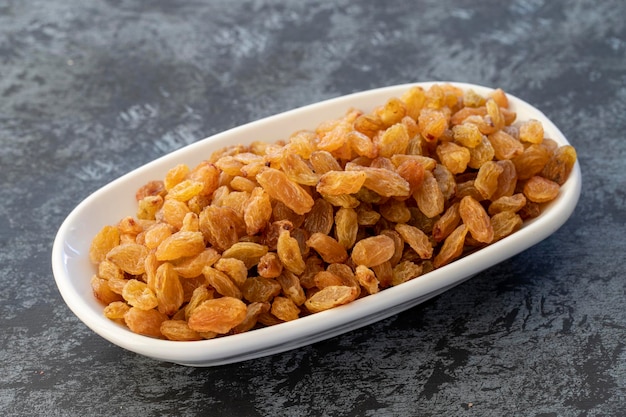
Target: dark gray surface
91,90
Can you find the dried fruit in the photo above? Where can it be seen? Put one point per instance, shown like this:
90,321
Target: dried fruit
221,282
180,245
330,297
168,289
260,234
541,190
283,308
137,294
476,219
178,330
106,239
486,181
341,182
218,315
258,289
103,292
129,257
560,164
429,197
327,247
452,247
416,239
373,250
145,322
288,250
281,188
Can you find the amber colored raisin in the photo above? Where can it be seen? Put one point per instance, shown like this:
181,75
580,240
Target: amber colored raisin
465,113
472,99
405,271
102,291
394,140
137,294
298,170
284,309
531,161
178,330
531,131
145,322
467,134
291,287
512,203
384,182
327,247
220,226
106,239
185,190
148,207
486,181
269,265
129,257
253,311
207,174
505,146
446,223
481,153
505,223
507,180
446,181
367,279
452,247
116,310
395,211
281,188
416,239
236,269
373,250
179,245
222,283
541,190
150,189
259,289
346,226
560,164
325,279
432,124
413,172
320,218
476,219
108,270
218,315
453,156
330,297
198,296
495,115
169,291
392,112
324,162
157,234
257,211
288,251
429,196
191,266
414,100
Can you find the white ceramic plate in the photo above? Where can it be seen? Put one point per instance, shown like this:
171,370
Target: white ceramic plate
72,269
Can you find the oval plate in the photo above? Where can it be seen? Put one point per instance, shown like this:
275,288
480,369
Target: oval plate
73,270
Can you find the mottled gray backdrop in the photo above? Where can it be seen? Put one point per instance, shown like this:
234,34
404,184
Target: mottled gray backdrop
92,89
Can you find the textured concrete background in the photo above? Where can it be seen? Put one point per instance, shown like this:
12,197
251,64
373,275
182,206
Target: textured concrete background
91,90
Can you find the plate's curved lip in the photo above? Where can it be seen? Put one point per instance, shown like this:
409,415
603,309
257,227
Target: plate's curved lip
321,325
